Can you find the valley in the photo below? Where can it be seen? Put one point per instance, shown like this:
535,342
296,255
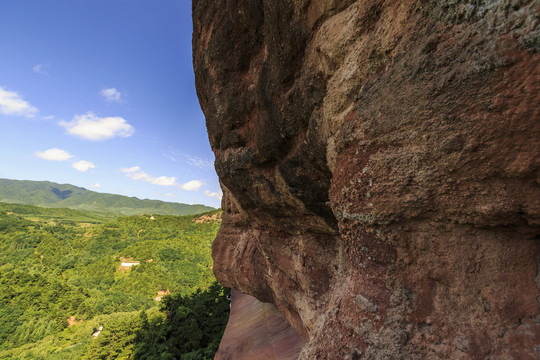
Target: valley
65,274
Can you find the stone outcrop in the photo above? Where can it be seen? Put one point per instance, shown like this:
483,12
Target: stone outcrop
380,163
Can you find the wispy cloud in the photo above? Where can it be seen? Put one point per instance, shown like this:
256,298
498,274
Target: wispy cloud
192,185
91,127
83,165
170,157
40,69
172,153
12,103
136,173
176,155
217,195
95,186
54,154
199,162
111,94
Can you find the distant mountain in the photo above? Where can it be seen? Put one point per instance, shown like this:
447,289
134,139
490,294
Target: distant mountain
50,194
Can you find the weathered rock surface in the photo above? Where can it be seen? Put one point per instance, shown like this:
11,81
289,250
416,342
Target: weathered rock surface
257,331
380,162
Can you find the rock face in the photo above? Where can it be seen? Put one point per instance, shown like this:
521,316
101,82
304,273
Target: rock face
380,163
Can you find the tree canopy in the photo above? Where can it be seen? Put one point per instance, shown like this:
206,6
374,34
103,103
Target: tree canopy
62,278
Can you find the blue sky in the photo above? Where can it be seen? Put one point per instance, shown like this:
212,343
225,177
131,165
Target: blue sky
101,94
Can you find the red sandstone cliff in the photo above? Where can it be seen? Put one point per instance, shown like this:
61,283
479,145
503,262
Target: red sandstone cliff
380,162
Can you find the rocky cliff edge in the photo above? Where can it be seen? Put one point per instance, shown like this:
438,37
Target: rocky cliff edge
380,163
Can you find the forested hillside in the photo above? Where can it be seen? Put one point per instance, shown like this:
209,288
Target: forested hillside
146,280
50,194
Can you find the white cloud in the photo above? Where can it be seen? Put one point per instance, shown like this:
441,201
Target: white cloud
136,173
54,154
111,95
164,181
192,185
131,169
95,186
91,127
217,195
40,69
11,103
83,165
49,117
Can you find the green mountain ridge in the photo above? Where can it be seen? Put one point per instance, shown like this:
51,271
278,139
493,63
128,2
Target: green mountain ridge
51,194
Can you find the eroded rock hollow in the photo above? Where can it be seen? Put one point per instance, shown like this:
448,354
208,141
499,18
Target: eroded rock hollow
380,163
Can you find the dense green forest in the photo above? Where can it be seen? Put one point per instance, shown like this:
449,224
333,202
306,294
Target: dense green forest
144,281
53,195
